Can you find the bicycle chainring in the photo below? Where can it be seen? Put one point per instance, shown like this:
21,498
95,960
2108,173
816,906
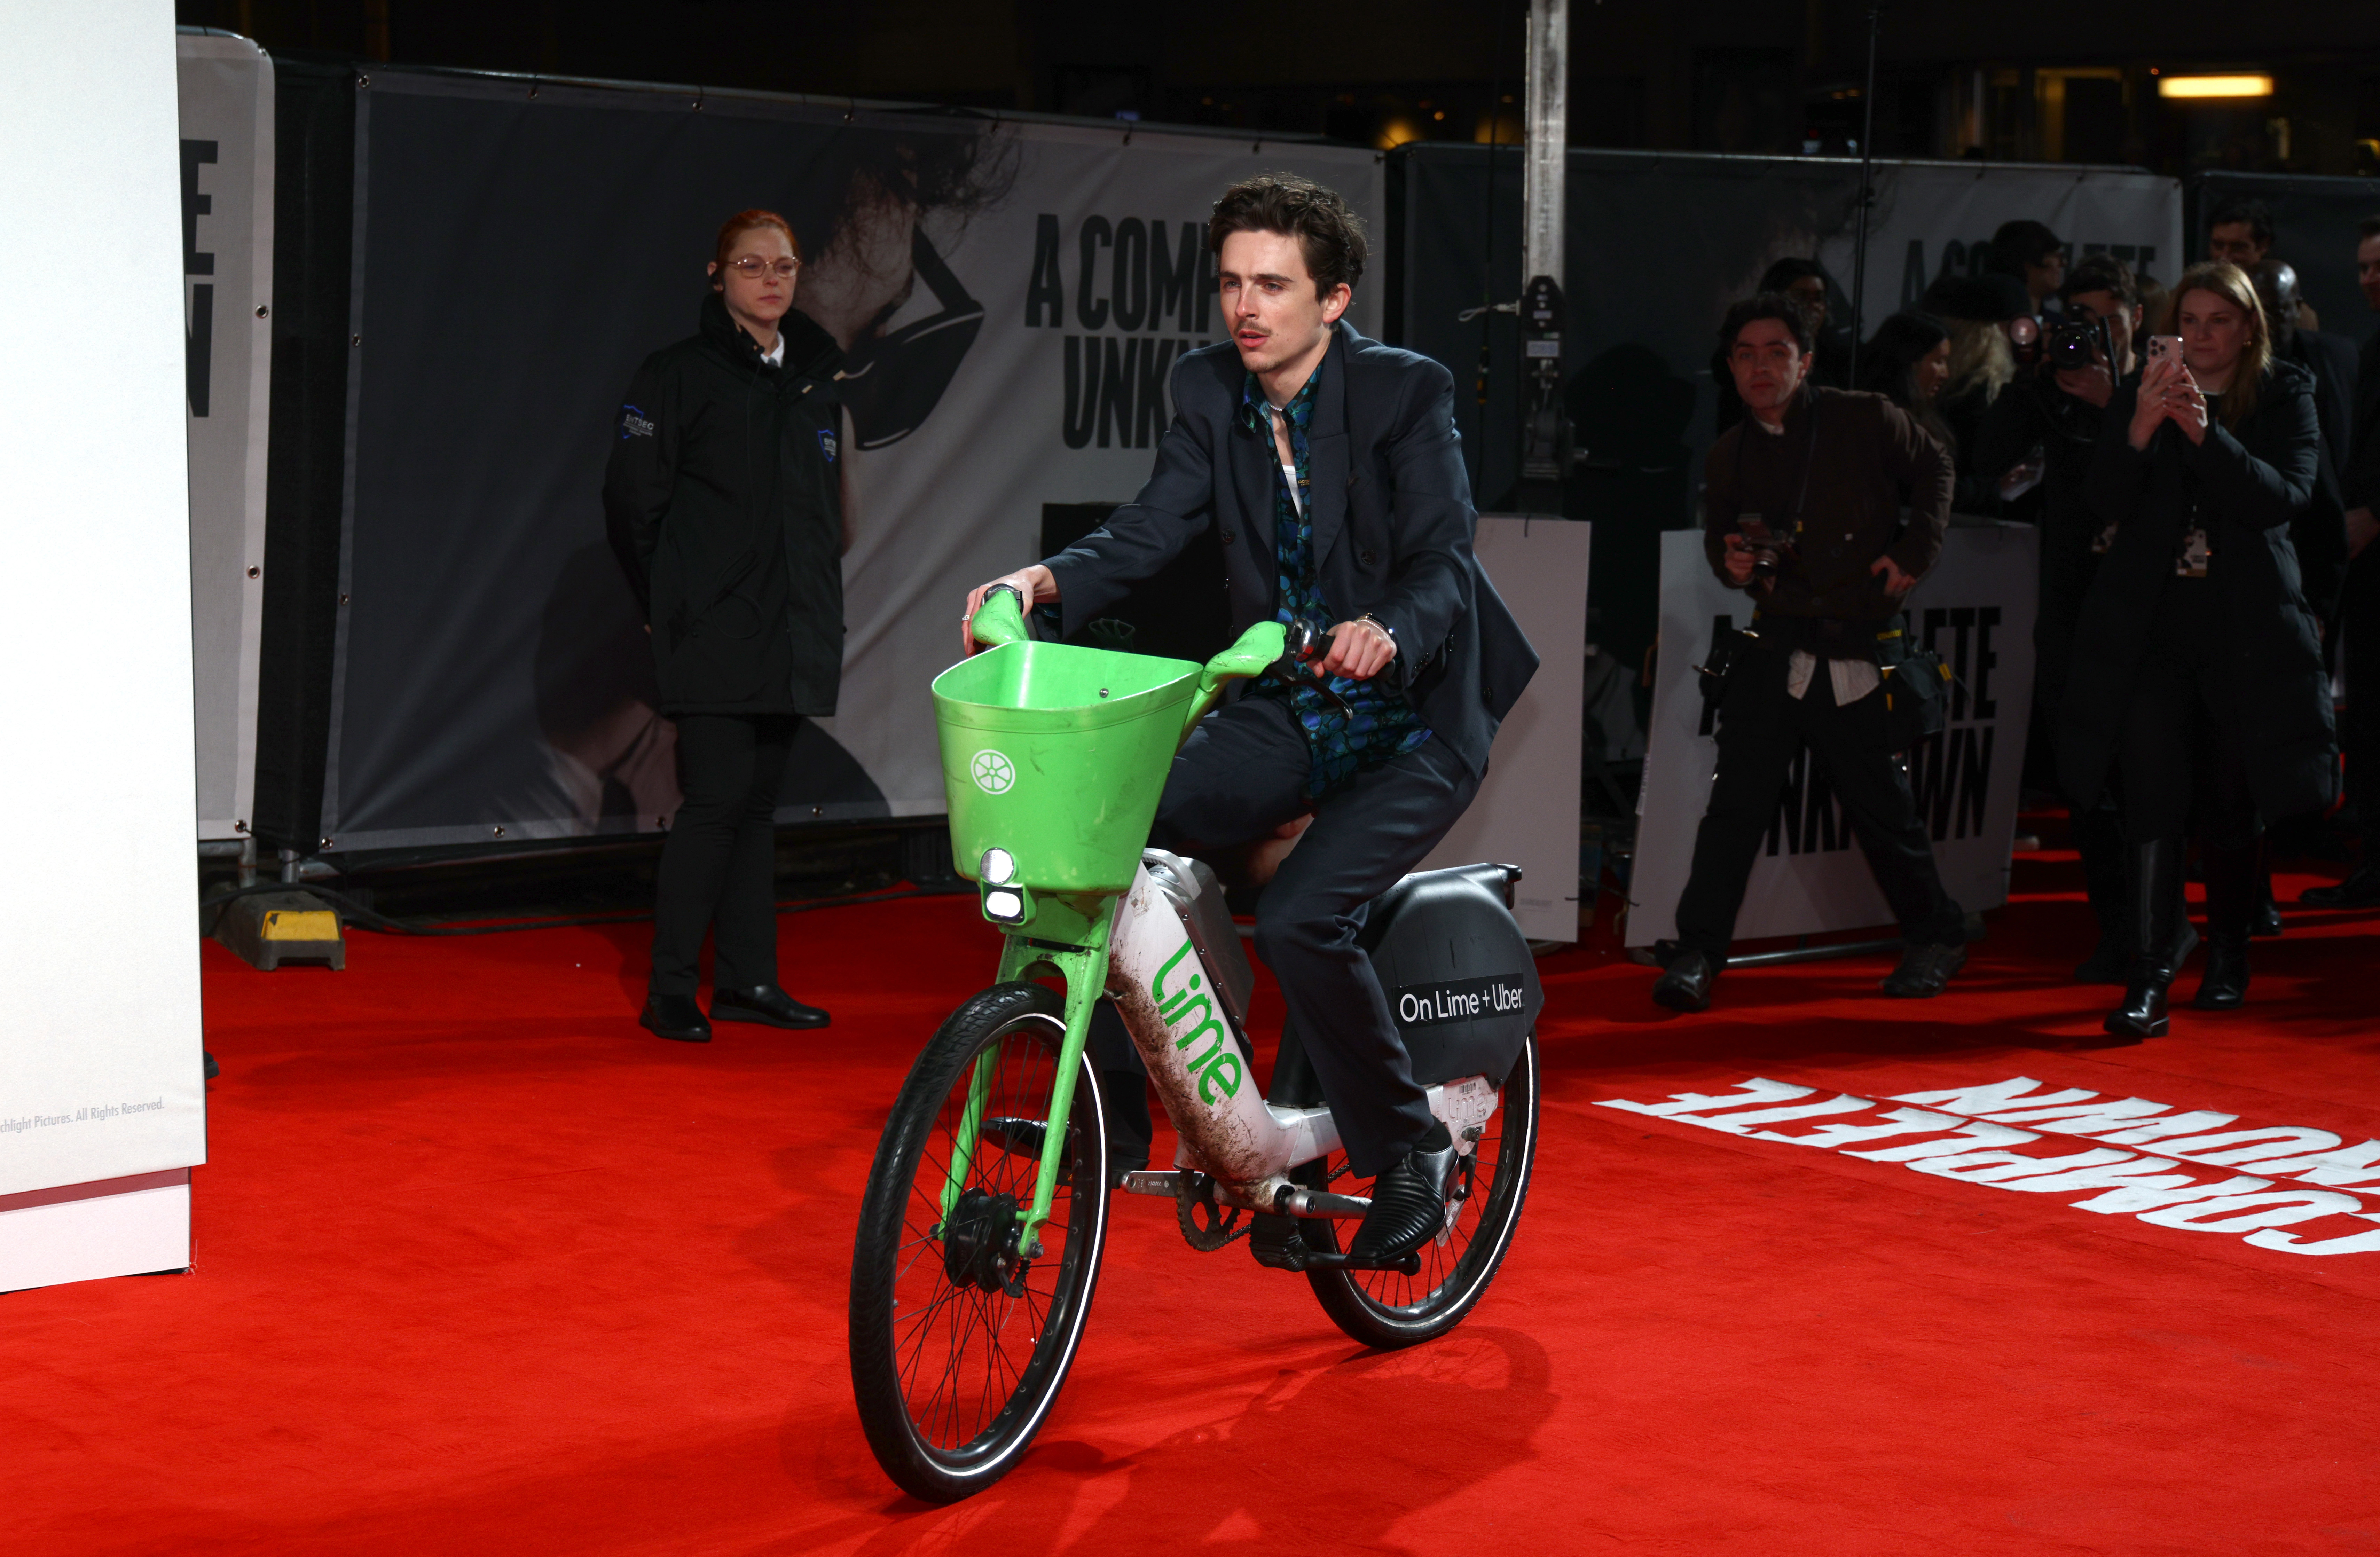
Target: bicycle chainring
1207,1224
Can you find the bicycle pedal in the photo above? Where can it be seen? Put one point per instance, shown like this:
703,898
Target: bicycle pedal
1409,1264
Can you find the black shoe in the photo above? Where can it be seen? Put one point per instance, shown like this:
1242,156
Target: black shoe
1924,971
2160,927
1408,1202
2361,890
1685,984
1022,1138
675,1017
2224,985
766,1005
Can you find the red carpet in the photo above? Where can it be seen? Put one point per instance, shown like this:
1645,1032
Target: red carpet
481,1268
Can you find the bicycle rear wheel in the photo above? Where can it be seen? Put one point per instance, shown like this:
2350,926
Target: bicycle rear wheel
1389,1308
960,1341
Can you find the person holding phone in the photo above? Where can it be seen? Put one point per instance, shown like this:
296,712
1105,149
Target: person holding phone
723,503
2198,678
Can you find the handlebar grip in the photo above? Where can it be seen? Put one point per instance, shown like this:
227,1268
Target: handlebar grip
1003,626
1305,645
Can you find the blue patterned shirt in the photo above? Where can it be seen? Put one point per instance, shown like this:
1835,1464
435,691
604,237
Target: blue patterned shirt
1380,725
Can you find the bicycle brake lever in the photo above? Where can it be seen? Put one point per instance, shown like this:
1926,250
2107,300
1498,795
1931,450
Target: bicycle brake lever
1307,646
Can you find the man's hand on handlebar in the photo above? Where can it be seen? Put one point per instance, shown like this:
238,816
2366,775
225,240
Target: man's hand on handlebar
1359,650
1035,584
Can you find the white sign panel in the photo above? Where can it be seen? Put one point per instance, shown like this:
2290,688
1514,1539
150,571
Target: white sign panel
99,1048
1976,610
1527,813
226,260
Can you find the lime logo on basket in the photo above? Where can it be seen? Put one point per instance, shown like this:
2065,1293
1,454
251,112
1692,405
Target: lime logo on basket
993,773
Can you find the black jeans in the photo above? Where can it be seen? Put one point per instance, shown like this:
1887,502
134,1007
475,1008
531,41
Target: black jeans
1240,776
2177,753
1761,729
720,860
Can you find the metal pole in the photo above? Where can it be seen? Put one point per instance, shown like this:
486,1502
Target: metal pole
1866,194
1548,109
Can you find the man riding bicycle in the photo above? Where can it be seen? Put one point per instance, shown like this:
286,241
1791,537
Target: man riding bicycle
1332,469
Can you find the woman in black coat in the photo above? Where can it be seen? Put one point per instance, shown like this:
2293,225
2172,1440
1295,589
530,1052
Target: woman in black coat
2197,671
723,503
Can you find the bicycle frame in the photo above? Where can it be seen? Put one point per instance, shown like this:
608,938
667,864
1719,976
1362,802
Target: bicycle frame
1139,949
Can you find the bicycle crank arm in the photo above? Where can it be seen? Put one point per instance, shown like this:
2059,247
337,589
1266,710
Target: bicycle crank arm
1311,1203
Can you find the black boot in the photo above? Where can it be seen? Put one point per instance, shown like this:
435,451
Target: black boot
2154,877
2234,882
2100,845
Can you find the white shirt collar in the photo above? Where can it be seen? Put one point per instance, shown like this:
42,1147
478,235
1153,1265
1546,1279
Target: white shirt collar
775,357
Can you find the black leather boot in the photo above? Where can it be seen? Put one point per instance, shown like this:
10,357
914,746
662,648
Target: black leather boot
2154,877
2234,882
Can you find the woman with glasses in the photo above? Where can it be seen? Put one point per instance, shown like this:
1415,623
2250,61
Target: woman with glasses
2197,672
723,502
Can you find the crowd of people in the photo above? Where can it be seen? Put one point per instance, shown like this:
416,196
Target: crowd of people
2201,463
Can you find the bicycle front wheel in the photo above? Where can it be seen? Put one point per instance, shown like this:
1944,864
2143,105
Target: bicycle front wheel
1389,1308
960,1337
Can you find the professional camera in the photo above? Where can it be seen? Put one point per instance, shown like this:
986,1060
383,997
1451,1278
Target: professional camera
1769,549
2071,345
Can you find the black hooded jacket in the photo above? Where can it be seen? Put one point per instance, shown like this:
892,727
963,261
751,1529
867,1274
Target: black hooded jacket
724,504
2247,489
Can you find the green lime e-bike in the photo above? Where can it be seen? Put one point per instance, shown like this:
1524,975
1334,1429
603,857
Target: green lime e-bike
979,1240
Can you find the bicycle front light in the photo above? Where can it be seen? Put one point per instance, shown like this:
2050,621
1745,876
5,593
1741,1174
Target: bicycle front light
1004,905
997,867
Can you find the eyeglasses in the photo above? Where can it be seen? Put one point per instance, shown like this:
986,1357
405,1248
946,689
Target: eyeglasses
751,267
891,383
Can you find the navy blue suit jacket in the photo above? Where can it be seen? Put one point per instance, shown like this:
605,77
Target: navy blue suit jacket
1392,526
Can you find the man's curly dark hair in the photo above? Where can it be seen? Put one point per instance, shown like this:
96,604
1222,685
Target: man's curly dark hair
1330,236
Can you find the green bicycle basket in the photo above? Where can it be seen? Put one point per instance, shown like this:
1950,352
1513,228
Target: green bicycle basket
1057,754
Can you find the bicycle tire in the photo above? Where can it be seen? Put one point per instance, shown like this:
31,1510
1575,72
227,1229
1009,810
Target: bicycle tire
983,1411
1387,1309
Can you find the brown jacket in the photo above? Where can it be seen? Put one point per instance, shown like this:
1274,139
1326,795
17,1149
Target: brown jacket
1871,458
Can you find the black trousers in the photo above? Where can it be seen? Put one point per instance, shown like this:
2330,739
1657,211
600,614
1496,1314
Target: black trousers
1240,776
719,863
2176,754
1761,729
2359,615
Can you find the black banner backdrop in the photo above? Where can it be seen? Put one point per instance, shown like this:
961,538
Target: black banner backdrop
520,248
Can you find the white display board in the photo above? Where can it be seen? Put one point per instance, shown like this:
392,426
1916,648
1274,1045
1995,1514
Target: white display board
226,262
100,1051
1527,813
1976,610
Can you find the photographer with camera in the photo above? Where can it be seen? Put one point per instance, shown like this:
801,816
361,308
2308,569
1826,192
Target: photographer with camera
2198,674
2057,408
1801,507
